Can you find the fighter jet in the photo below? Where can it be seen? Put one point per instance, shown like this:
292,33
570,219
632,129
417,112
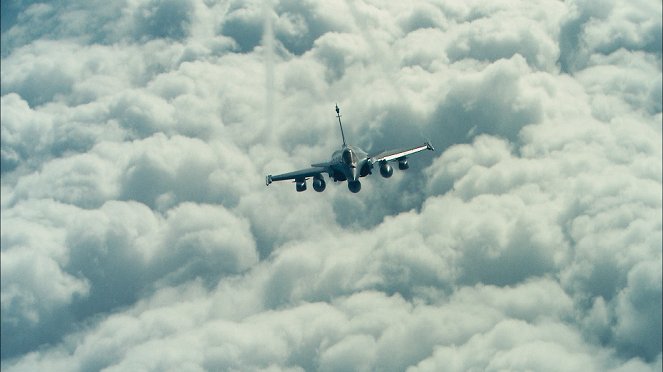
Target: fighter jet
349,163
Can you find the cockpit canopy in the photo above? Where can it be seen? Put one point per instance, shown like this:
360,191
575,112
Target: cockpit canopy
349,157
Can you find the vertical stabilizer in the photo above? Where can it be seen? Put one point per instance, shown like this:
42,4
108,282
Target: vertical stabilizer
338,115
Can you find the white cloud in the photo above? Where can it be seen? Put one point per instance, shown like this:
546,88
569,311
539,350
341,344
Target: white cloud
137,232
638,315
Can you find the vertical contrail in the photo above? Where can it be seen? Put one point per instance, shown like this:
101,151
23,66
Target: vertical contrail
268,51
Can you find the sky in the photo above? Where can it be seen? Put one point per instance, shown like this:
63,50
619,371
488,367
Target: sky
138,233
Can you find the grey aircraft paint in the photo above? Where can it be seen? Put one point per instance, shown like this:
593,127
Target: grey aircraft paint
349,163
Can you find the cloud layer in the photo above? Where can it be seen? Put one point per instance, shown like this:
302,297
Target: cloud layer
137,232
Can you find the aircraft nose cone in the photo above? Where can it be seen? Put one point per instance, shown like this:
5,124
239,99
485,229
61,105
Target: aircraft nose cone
355,173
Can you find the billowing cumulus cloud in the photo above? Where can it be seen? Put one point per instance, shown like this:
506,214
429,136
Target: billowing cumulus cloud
137,232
